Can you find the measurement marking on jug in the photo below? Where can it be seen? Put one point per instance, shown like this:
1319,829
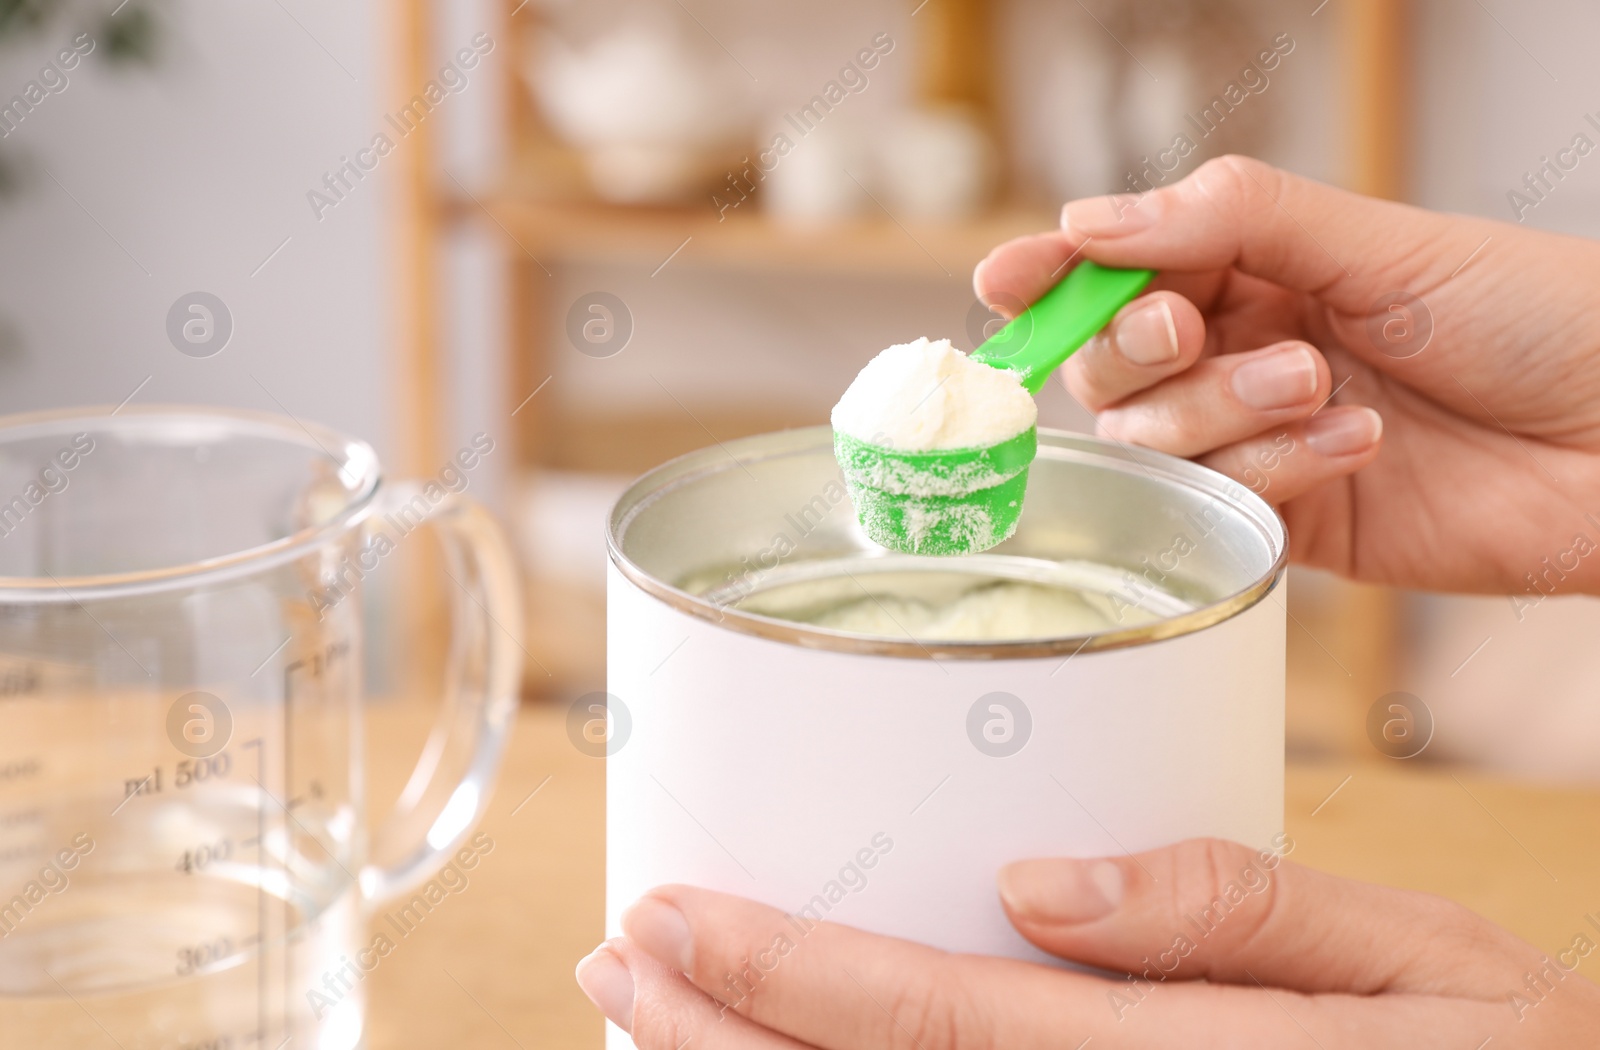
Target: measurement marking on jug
313,793
204,855
19,680
317,663
14,817
20,768
130,788
304,683
259,937
308,832
22,852
185,774
149,784
192,957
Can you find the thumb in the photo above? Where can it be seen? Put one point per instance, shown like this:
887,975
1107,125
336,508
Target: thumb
1212,909
1239,213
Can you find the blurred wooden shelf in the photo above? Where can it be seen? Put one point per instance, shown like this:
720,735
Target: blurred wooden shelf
747,239
631,442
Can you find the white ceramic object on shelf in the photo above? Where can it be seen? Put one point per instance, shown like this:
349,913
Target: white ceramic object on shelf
823,177
1071,123
937,165
657,120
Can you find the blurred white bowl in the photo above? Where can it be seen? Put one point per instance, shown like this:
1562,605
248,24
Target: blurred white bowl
937,165
656,120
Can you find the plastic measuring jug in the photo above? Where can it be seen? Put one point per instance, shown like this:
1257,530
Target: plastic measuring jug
185,861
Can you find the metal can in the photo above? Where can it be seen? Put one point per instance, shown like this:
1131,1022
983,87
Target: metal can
882,780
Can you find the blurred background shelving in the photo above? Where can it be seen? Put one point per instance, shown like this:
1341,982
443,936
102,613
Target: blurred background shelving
433,302
553,228
632,236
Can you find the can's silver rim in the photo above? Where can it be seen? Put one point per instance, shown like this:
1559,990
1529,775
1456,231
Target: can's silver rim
728,455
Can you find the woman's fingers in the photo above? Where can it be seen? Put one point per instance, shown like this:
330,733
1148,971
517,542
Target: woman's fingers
1239,213
1280,465
1017,272
1223,399
1221,911
661,1009
1020,270
838,988
1150,339
1235,213
1258,416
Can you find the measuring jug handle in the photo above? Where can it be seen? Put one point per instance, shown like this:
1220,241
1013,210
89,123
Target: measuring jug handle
483,675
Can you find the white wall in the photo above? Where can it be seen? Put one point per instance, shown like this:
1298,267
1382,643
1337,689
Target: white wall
1499,94
1496,98
187,177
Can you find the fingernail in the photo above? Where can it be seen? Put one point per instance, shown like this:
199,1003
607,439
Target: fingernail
1344,431
661,930
977,278
1282,379
1061,891
605,979
1148,336
1112,216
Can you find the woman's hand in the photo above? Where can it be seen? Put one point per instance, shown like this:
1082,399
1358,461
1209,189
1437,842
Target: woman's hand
1229,948
1469,349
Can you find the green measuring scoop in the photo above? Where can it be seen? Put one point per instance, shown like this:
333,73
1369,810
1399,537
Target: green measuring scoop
960,501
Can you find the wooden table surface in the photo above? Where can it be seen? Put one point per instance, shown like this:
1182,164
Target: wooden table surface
492,967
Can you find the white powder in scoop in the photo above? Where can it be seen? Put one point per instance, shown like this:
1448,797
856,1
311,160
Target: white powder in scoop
929,395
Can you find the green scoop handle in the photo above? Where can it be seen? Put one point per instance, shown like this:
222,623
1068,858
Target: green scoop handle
1035,342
